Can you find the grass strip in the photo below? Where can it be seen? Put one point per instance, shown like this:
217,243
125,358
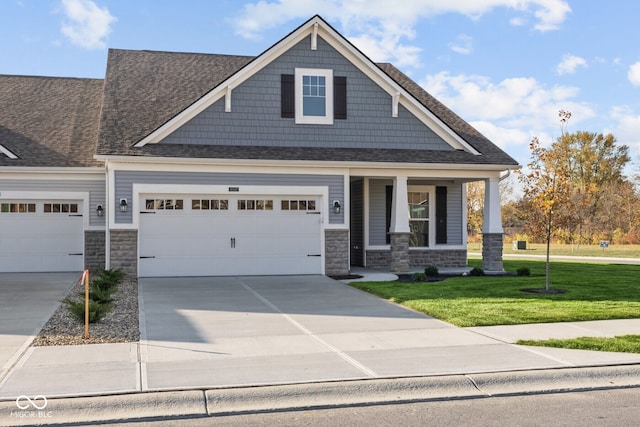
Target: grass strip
619,344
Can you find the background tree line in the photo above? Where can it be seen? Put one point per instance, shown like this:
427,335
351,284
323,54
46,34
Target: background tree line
574,191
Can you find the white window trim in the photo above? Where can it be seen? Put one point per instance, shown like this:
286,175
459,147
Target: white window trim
314,120
432,211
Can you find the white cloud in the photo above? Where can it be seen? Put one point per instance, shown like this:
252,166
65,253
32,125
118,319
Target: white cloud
634,74
381,28
626,128
462,45
86,24
511,111
570,63
503,137
518,22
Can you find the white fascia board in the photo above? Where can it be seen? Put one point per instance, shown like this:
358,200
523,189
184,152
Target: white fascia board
395,91
7,152
37,173
228,85
242,167
355,167
338,42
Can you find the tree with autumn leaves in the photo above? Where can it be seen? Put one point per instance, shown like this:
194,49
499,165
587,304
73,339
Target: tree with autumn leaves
569,186
546,189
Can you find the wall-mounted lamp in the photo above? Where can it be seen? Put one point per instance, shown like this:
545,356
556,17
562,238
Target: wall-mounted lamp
123,205
336,206
99,210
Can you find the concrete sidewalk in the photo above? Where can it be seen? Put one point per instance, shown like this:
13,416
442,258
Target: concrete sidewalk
99,369
212,341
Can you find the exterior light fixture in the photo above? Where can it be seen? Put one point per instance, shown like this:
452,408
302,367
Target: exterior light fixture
123,205
99,210
336,206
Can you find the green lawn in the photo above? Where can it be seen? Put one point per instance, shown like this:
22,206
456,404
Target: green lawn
621,344
593,292
615,251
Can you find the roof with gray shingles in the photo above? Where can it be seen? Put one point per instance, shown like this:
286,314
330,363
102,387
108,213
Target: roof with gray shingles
63,122
49,121
145,89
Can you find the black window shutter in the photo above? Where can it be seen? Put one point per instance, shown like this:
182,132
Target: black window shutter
287,96
388,206
441,215
340,98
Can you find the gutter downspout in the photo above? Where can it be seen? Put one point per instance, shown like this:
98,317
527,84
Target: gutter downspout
107,228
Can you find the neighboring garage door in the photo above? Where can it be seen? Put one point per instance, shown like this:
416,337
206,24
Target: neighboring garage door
41,236
223,236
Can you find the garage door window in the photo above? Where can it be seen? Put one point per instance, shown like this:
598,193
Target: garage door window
18,208
298,205
209,205
60,208
255,205
164,204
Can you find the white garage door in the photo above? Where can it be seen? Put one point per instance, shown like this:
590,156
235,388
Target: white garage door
41,236
222,236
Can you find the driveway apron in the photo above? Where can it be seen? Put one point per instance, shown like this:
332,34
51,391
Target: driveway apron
27,301
232,331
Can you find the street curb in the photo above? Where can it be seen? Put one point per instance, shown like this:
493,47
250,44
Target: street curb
75,410
228,401
336,394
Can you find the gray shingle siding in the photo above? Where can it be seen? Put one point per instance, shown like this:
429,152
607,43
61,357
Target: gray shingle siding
377,211
455,211
255,119
124,181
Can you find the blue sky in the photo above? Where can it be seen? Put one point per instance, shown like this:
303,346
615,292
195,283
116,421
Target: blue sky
505,66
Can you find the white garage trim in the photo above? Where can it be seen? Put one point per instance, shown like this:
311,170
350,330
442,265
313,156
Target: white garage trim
257,190
35,236
233,193
54,195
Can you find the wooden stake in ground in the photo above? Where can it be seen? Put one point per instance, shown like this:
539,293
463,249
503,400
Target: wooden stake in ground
85,276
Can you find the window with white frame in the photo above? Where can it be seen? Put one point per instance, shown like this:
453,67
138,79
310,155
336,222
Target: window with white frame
314,96
421,216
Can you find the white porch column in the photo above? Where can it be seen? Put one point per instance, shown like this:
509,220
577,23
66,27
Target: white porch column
492,231
400,207
399,230
492,220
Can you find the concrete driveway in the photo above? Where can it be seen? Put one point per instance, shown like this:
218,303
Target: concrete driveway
229,331
27,301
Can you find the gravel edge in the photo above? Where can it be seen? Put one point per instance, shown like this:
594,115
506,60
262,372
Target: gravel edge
119,325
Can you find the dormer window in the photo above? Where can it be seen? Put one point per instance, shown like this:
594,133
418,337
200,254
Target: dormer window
314,96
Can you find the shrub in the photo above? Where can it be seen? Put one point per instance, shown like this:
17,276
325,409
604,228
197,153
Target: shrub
100,295
431,271
475,271
115,275
96,310
104,284
418,277
523,271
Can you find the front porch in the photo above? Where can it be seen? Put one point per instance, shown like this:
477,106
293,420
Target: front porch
403,223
